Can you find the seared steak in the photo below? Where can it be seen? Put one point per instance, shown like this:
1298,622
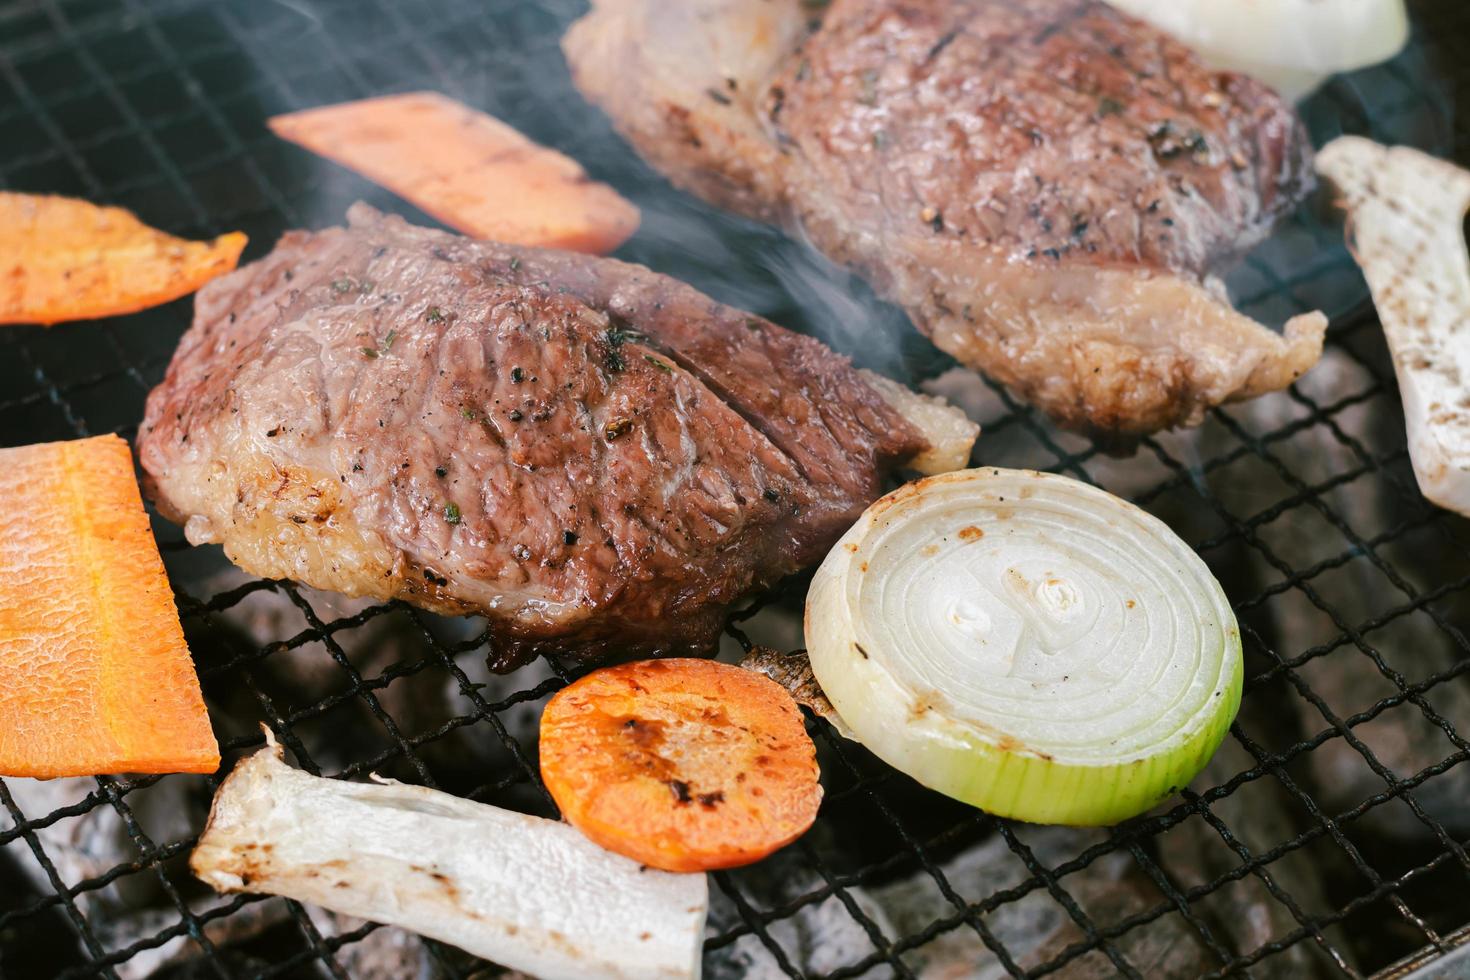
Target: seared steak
592,455
1049,187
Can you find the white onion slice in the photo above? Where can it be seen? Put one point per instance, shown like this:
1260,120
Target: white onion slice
1027,644
1292,45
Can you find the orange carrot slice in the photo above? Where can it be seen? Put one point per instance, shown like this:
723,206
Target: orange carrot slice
684,765
469,170
94,674
65,259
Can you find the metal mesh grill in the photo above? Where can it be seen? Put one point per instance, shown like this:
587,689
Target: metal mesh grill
1327,838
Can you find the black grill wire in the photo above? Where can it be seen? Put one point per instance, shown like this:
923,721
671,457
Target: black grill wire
158,106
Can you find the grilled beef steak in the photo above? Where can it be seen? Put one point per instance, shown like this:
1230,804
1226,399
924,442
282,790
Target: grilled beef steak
1049,187
588,453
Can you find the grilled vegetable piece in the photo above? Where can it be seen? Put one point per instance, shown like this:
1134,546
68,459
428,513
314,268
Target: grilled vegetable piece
530,894
65,259
1291,45
94,674
469,170
1405,224
1028,644
685,765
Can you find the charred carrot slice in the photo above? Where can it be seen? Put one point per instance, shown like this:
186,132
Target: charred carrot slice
469,170
65,259
94,674
684,765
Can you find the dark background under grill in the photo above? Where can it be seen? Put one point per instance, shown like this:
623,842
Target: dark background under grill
1326,839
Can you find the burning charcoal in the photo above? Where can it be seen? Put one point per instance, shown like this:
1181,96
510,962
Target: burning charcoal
386,953
181,954
132,906
301,669
1355,674
1244,915
819,938
824,936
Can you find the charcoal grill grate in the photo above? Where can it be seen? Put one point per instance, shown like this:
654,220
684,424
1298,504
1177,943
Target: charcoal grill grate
158,105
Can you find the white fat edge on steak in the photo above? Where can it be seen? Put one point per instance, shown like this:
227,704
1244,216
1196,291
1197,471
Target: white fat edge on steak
950,434
527,893
1406,213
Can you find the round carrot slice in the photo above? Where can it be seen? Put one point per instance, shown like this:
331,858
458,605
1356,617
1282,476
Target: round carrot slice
684,765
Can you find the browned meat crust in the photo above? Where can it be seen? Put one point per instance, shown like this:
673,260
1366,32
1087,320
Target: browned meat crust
1049,187
594,456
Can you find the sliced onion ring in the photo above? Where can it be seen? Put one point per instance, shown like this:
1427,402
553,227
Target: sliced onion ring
1028,644
1291,45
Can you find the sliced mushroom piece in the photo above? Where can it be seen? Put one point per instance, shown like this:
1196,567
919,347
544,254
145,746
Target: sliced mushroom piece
527,893
1405,213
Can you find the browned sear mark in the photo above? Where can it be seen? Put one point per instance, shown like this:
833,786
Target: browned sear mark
450,888
647,735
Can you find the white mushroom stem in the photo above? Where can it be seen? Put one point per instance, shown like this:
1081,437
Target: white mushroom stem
1405,226
527,893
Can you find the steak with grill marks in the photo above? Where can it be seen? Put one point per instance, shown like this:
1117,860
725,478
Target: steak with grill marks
1050,188
594,456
